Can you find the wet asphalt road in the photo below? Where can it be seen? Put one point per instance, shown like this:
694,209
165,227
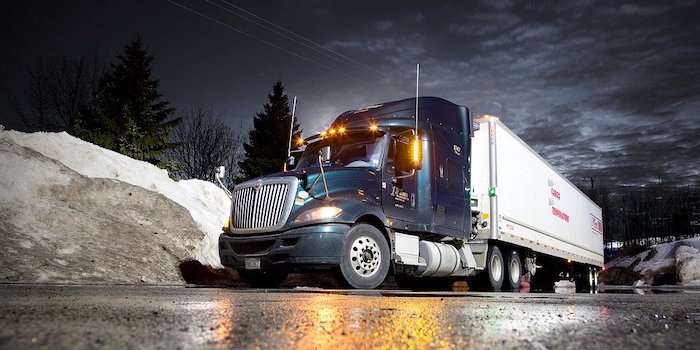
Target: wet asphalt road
123,317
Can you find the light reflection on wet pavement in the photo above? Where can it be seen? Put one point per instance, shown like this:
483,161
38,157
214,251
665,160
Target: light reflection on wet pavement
176,317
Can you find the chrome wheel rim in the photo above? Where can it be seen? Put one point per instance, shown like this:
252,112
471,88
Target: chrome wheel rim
514,271
496,268
365,256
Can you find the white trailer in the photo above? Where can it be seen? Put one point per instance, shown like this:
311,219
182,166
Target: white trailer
523,206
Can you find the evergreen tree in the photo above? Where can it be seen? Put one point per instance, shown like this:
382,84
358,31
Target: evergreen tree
129,116
266,150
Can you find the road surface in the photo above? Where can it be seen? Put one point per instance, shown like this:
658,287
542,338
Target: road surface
69,317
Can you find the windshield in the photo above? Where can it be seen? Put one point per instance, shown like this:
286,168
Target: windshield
350,150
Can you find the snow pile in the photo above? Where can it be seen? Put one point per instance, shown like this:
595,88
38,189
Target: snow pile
207,204
677,261
688,265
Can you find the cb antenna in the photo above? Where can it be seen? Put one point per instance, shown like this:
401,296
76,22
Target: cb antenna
417,80
291,133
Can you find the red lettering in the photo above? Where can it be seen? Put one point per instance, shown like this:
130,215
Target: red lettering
558,213
556,194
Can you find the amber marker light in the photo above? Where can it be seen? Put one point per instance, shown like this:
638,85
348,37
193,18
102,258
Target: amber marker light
373,127
227,225
341,130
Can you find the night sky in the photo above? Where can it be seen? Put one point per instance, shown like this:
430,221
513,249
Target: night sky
605,89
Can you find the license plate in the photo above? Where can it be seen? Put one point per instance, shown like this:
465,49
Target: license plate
252,264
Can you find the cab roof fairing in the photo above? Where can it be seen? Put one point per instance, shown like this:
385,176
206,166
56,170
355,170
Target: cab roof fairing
402,113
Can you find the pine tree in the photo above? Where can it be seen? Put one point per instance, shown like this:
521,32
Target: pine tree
266,151
129,115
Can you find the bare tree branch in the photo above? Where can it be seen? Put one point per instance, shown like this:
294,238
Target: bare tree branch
206,142
59,90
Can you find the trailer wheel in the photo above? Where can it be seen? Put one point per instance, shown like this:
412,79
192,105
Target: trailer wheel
495,268
365,260
263,278
515,270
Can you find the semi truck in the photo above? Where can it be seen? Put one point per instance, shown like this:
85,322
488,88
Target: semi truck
419,189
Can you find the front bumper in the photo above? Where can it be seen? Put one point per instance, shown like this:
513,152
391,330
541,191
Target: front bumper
312,245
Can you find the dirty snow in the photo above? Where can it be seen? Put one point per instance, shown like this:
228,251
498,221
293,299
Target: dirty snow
207,204
679,257
688,265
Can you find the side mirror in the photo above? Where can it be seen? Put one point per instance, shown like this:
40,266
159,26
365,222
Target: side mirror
219,175
325,154
290,161
220,171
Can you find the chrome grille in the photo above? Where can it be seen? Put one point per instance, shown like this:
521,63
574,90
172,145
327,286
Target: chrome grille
262,205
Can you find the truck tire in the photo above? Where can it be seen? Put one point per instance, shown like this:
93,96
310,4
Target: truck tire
263,278
514,270
495,268
365,260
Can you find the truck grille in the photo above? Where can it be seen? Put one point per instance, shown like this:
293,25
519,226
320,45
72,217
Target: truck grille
262,204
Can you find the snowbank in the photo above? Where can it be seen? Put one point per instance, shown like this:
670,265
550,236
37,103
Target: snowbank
688,265
677,261
207,204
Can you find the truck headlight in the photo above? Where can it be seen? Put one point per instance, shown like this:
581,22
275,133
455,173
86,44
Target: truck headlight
319,213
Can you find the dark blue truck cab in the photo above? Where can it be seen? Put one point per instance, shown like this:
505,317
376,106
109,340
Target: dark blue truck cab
376,193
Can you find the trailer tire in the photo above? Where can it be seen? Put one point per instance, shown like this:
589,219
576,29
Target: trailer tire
365,260
514,270
495,267
263,278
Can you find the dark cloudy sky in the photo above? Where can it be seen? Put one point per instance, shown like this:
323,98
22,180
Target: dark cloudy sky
607,89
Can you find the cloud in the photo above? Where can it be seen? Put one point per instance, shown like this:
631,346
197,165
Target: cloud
642,10
484,24
498,4
383,26
417,17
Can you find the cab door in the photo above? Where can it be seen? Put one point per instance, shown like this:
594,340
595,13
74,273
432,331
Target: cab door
399,191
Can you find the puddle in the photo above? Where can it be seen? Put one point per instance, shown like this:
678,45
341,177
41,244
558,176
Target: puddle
647,289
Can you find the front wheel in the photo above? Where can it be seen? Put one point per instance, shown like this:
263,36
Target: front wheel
365,260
